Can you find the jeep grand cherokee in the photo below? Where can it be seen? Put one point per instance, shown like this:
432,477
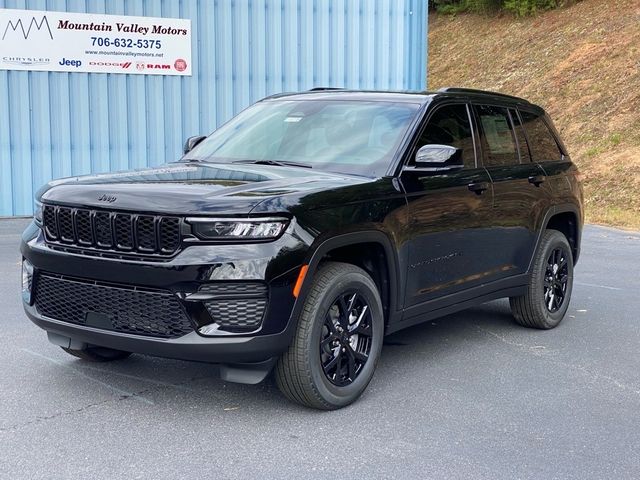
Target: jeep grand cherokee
298,234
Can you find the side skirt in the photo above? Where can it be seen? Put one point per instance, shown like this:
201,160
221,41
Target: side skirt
508,287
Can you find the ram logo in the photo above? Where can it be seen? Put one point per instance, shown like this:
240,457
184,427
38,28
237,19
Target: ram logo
34,25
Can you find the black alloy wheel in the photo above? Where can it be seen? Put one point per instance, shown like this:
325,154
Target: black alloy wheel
546,298
556,279
338,339
345,343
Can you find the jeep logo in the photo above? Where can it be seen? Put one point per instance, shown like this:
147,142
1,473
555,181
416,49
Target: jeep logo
107,198
70,63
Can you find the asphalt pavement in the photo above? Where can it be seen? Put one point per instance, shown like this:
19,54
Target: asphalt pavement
468,396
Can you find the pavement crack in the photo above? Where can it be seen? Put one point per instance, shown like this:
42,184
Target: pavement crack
137,394
537,350
596,376
44,418
114,389
540,350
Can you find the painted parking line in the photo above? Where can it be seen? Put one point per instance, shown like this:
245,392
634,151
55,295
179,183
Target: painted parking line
606,287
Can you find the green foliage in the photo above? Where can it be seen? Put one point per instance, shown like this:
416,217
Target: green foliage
450,7
520,7
529,7
458,6
483,6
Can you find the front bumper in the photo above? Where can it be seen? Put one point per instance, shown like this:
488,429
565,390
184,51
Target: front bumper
183,275
228,350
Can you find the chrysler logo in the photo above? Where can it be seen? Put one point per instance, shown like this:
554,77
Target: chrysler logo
107,198
26,60
41,25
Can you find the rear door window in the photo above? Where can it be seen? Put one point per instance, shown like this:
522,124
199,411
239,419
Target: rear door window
496,136
542,143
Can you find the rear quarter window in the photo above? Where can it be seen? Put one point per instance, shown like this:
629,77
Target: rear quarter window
542,143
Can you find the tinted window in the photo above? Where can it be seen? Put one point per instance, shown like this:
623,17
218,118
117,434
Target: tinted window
498,143
449,125
525,157
541,141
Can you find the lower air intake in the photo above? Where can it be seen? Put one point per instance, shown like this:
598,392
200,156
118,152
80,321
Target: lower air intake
238,305
153,313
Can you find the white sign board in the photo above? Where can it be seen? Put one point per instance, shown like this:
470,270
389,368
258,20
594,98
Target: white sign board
84,42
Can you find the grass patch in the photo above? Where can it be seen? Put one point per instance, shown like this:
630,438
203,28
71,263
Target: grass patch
613,215
581,64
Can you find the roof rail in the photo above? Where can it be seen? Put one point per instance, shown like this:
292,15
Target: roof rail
319,89
474,91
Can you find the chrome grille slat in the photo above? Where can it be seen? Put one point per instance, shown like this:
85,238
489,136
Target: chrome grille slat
99,230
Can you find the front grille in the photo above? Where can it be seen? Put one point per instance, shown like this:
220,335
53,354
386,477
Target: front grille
236,305
111,231
134,310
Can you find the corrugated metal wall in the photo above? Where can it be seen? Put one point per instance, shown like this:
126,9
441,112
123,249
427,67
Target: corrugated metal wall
60,124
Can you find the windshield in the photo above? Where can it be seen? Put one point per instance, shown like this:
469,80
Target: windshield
340,136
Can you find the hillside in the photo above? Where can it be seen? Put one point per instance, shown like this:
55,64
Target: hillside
582,63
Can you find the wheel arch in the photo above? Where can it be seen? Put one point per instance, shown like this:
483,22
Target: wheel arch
567,220
567,224
352,248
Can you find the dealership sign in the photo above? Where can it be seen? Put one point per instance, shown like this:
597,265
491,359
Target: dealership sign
82,42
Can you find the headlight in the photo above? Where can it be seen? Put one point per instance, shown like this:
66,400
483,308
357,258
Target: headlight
238,229
37,212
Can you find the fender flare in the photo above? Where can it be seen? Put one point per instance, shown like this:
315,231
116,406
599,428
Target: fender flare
553,211
343,240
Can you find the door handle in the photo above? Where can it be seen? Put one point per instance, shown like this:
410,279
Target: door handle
537,180
479,187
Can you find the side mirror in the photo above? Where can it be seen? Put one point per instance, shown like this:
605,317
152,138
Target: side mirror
438,158
192,142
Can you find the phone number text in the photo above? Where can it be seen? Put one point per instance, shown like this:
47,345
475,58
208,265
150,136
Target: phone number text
125,43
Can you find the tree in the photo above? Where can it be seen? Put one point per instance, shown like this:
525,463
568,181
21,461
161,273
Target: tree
519,7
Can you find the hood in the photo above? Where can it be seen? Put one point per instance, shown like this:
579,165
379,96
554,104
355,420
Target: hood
193,188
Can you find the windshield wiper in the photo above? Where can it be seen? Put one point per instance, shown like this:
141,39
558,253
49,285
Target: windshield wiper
274,162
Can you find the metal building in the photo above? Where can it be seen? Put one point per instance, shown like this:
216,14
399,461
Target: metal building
62,124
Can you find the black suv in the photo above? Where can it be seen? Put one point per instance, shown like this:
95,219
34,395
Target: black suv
298,234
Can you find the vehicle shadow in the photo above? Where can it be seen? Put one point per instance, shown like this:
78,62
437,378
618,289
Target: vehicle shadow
413,348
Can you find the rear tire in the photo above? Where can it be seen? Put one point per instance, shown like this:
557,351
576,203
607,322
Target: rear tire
337,344
549,291
97,354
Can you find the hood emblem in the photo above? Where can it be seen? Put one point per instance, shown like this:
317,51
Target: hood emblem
107,198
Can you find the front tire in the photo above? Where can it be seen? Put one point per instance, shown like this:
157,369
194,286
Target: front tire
93,353
549,291
338,340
